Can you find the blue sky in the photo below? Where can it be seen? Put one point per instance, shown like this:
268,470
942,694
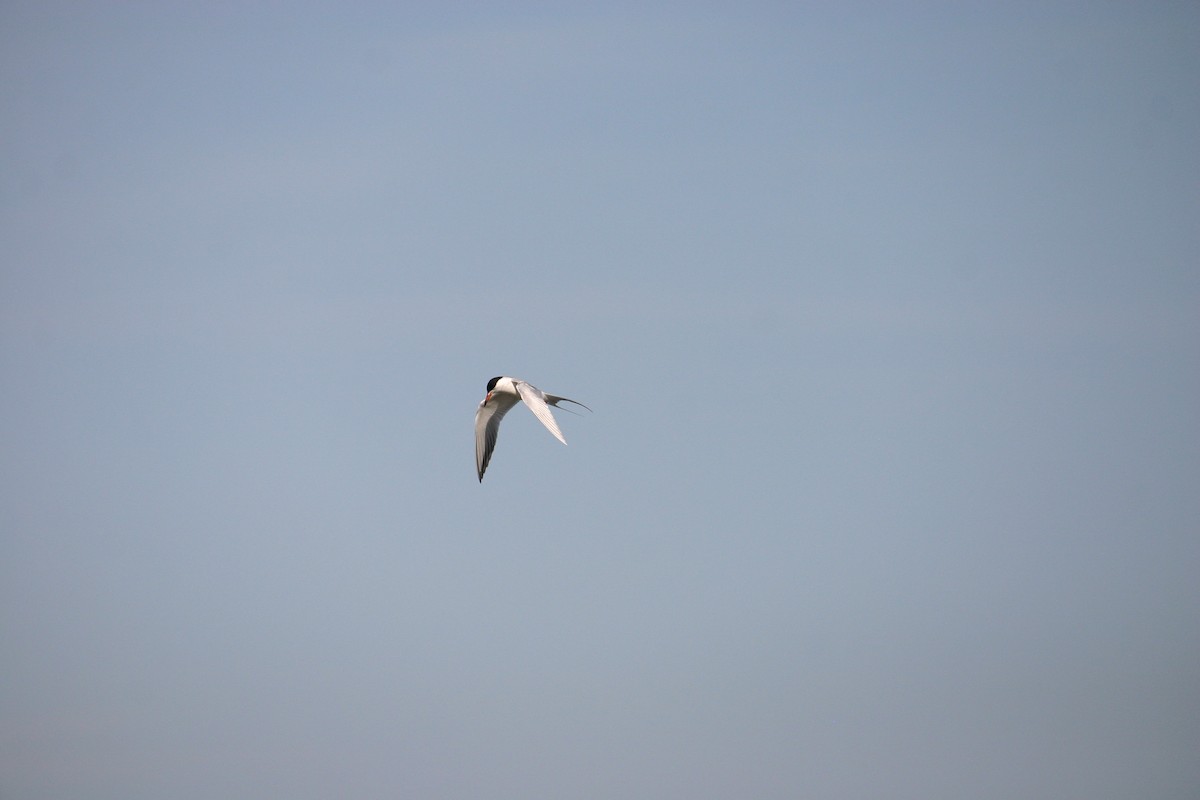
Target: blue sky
888,315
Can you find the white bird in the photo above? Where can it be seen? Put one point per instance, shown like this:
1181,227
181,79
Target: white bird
502,394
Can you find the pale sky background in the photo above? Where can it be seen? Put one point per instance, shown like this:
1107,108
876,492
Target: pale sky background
889,315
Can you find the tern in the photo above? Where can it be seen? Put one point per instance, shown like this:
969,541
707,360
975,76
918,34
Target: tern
502,394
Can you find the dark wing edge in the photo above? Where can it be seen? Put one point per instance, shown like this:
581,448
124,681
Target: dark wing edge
487,427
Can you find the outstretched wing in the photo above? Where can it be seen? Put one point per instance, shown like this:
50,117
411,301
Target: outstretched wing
487,426
534,398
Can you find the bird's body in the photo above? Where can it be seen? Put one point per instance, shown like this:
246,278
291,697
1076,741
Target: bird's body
502,394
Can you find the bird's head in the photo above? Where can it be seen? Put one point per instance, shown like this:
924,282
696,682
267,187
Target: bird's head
491,388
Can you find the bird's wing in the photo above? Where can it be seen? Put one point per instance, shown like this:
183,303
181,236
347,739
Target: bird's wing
487,425
534,398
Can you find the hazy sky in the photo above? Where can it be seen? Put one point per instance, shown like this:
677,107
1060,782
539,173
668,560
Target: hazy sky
889,315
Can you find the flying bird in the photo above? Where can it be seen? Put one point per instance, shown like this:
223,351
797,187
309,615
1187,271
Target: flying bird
502,394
